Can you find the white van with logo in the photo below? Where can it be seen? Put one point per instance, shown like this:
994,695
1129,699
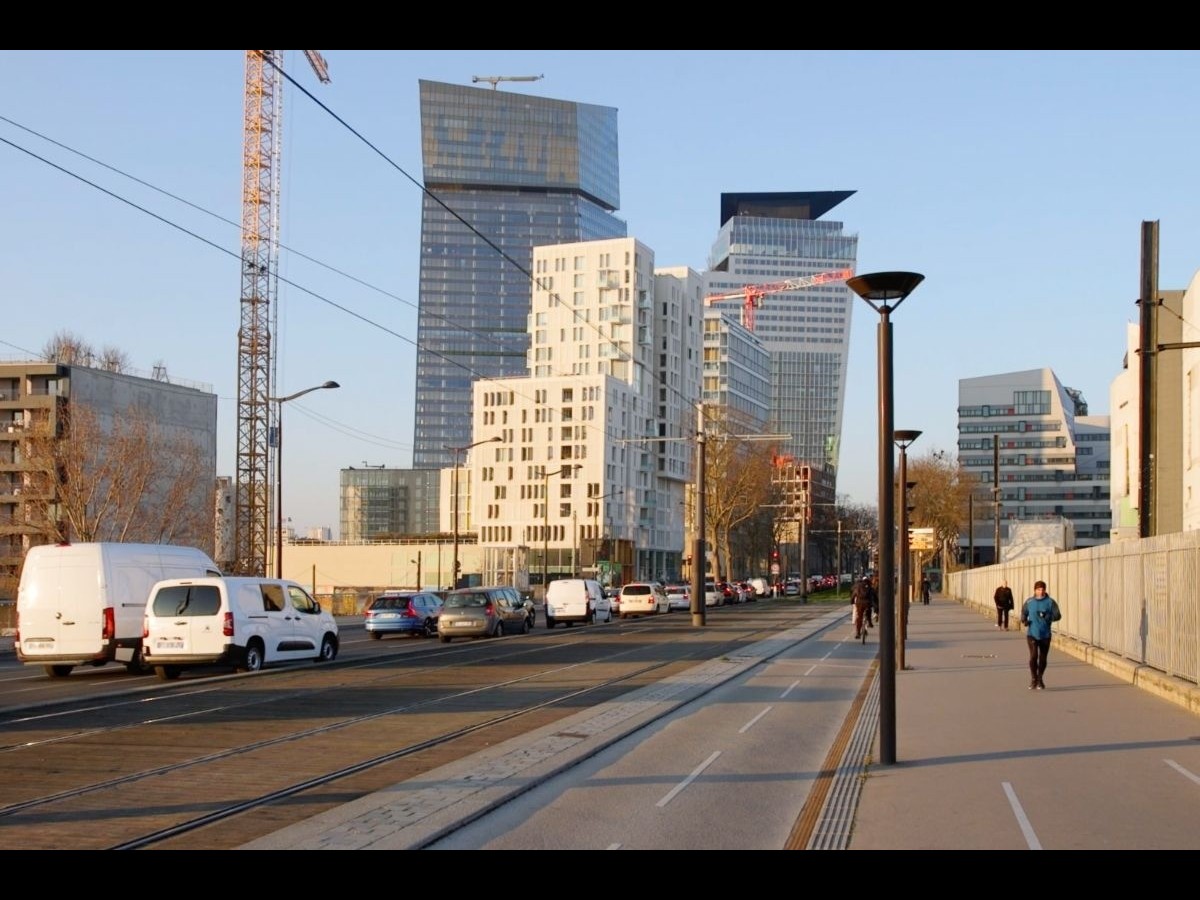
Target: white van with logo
82,604
245,623
572,600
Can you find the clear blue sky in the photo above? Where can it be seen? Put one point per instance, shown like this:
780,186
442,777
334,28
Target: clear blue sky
1016,182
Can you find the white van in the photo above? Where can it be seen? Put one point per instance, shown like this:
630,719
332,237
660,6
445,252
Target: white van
241,622
82,604
576,600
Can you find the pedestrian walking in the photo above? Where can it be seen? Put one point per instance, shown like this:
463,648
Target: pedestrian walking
925,590
1037,614
1004,602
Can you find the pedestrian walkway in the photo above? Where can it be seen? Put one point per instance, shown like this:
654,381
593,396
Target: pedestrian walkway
982,762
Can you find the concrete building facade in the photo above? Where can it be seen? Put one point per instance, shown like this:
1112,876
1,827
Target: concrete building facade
1053,458
597,441
38,398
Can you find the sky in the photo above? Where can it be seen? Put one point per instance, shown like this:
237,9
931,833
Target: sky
1016,182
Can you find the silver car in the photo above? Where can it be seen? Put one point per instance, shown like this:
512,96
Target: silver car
482,612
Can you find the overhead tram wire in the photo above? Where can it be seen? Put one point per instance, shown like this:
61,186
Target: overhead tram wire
237,255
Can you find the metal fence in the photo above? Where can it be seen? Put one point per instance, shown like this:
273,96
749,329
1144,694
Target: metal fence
1137,599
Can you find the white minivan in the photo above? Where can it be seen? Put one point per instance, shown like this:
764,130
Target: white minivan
241,622
576,600
82,604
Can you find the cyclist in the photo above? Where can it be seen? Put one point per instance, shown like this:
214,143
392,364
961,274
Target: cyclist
865,601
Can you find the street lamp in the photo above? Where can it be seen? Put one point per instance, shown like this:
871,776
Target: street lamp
279,466
878,289
454,525
903,439
546,522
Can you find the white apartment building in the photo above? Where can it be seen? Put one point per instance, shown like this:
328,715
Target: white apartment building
1053,457
597,441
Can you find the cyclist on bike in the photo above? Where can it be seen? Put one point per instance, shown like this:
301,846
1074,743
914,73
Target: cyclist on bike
865,601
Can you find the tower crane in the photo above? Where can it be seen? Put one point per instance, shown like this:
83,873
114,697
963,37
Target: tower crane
262,127
494,80
751,295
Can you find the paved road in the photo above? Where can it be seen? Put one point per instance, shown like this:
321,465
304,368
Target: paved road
1093,762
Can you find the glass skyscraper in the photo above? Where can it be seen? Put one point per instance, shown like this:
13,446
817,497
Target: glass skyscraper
524,172
775,237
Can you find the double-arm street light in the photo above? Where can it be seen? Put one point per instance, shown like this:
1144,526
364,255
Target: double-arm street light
279,466
884,291
454,525
546,522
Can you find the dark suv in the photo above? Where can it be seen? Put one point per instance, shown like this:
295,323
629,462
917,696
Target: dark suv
403,612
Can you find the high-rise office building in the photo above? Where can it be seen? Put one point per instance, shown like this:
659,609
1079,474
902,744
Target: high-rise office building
767,238
523,171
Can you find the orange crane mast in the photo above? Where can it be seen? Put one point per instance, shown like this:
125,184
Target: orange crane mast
259,315
751,295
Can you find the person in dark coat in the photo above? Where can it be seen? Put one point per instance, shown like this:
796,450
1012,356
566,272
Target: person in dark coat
1004,604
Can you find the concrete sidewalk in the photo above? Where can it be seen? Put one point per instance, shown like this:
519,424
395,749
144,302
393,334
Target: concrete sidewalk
983,762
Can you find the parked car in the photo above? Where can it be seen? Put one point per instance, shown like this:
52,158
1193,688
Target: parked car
679,597
402,612
570,600
246,623
643,598
482,612
713,595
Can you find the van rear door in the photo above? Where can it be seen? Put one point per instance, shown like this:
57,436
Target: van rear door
186,620
60,606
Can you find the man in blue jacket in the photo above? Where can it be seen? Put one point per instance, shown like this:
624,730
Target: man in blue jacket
1036,614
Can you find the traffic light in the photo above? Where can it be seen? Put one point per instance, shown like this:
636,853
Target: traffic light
805,479
774,556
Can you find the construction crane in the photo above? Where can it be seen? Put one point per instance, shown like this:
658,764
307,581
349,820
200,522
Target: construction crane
494,80
259,314
751,295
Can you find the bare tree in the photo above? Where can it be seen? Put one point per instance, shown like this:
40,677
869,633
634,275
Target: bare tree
939,501
113,359
123,480
738,484
69,349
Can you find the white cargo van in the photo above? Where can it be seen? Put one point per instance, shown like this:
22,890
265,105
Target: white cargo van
571,600
82,604
245,623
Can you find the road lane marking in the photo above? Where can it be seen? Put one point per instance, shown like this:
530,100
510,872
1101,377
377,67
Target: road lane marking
1022,820
692,777
750,724
1182,771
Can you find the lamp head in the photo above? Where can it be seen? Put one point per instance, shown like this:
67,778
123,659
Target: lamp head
877,288
904,438
331,384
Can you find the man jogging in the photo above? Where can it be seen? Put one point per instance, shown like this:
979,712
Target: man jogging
1037,613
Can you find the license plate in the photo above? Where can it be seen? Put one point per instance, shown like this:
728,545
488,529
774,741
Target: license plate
170,645
463,624
38,643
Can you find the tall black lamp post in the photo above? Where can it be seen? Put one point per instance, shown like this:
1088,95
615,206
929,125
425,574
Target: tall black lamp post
885,291
279,467
454,525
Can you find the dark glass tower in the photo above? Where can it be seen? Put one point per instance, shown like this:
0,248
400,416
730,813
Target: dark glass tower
524,172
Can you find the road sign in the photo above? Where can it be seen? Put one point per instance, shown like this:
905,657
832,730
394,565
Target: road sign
922,539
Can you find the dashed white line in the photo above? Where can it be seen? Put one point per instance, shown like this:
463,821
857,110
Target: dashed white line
1182,771
1022,820
692,777
750,724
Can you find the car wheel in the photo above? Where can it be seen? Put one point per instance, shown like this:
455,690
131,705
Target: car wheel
254,658
430,628
524,627
167,673
60,671
549,622
375,635
444,639
329,649
499,632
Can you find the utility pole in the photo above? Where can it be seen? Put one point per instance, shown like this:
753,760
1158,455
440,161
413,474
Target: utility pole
996,491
